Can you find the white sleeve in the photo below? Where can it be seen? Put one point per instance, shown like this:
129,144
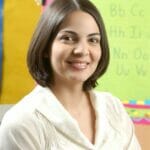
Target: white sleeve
19,135
127,127
134,144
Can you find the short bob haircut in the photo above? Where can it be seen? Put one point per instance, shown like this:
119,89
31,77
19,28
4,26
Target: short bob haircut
38,60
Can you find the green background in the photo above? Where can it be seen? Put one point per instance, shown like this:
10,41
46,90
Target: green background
128,28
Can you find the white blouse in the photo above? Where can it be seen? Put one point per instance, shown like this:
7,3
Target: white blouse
40,122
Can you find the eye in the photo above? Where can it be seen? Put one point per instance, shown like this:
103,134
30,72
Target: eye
68,39
94,40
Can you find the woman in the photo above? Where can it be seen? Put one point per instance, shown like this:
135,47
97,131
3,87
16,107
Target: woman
68,53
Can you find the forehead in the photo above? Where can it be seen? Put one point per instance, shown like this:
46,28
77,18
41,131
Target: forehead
81,22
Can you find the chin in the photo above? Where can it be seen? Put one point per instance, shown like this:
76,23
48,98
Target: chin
79,78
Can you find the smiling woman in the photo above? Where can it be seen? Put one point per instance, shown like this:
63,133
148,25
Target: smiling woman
66,56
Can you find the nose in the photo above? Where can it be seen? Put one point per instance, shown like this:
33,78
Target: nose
81,49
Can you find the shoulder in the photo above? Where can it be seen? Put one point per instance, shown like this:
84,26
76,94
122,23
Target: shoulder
18,126
24,112
109,100
26,105
115,114
21,125
19,131
17,120
112,106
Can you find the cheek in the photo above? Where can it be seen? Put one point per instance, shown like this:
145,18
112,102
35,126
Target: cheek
97,55
55,52
60,52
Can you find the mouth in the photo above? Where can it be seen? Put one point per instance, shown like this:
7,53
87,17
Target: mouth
78,65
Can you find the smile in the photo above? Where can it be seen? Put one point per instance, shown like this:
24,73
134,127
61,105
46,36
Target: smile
79,65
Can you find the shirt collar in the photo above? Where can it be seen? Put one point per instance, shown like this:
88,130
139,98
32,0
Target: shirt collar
53,110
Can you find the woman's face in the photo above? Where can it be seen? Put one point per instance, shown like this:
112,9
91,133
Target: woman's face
76,49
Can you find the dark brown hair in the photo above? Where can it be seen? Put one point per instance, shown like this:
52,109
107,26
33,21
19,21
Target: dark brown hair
47,29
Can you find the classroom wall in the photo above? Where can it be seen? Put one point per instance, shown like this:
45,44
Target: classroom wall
143,135
19,20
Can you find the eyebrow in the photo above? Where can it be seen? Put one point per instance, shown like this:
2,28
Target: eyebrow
72,32
94,34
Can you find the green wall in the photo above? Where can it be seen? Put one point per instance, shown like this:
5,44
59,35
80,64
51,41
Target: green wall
128,27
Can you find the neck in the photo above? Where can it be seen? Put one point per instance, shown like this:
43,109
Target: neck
70,96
